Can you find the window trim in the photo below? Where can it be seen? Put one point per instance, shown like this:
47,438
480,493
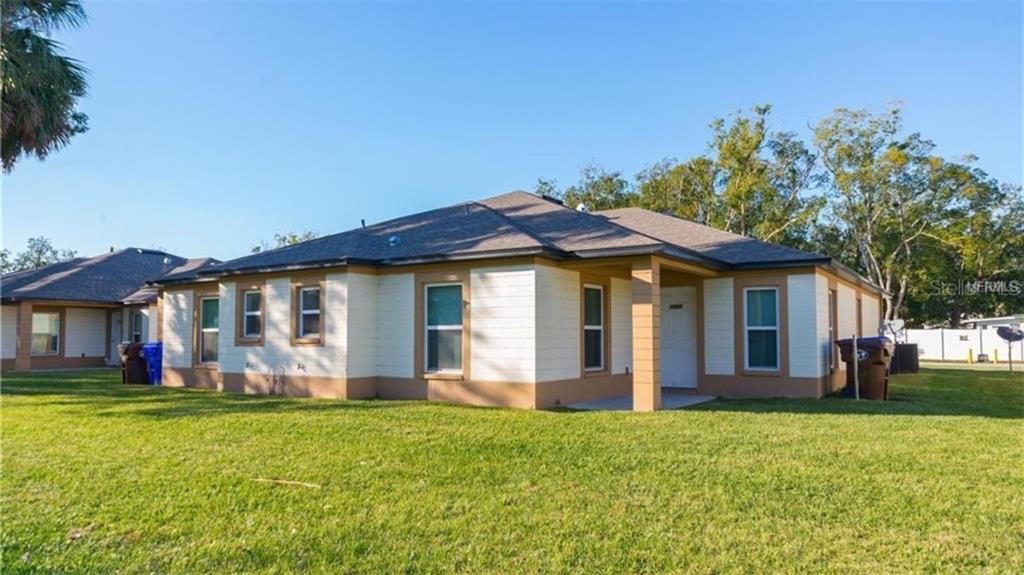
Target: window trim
427,328
460,275
777,328
60,333
241,338
602,328
133,316
298,284
303,312
202,330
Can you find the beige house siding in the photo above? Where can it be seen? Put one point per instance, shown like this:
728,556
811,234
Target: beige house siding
354,313
804,345
151,323
870,315
622,325
503,344
395,316
9,332
719,339
558,324
823,337
277,355
177,328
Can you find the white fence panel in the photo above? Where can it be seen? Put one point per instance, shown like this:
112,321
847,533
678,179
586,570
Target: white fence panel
962,344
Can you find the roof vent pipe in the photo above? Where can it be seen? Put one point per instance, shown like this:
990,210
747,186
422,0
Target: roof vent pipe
363,221
394,241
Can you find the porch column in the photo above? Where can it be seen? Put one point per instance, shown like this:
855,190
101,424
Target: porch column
23,357
646,336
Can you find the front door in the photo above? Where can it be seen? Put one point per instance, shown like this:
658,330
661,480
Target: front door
679,337
115,337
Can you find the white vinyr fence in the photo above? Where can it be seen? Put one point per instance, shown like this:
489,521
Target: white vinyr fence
962,344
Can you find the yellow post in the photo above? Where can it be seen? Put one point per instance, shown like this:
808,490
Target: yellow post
970,356
995,355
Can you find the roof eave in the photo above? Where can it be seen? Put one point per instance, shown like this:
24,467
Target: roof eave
210,275
653,249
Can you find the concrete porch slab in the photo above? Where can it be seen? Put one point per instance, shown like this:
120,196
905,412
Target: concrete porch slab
669,400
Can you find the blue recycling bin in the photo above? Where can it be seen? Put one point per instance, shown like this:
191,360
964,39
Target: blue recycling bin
153,353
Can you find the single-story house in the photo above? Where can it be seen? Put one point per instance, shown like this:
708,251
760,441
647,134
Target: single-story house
73,313
517,300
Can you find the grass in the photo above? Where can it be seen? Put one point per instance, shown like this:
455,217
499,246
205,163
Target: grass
98,477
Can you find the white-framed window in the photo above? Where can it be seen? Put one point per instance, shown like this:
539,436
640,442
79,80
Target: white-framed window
45,333
593,327
209,329
136,324
309,312
443,333
761,326
252,315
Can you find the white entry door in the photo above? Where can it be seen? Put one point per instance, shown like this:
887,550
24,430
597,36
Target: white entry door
679,337
115,337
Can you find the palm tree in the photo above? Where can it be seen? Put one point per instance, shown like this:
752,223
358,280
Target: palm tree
40,85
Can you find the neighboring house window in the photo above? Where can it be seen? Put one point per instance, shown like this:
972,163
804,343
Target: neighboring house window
209,330
593,327
252,304
309,312
45,333
761,320
444,327
136,323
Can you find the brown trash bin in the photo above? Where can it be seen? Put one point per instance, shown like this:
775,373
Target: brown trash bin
874,353
133,366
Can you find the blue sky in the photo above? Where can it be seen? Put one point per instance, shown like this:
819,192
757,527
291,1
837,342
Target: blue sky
215,125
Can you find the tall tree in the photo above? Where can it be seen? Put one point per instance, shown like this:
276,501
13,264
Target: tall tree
887,191
285,239
39,252
597,189
968,262
686,190
753,182
40,85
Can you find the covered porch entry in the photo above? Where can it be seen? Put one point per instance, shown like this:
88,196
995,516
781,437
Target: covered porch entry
667,317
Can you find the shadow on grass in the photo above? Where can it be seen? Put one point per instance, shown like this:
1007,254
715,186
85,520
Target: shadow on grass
943,392
931,392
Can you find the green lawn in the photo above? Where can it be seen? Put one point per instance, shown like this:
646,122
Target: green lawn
102,478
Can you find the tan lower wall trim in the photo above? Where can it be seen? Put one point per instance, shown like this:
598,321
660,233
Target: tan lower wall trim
190,377
568,391
762,386
542,395
56,362
482,393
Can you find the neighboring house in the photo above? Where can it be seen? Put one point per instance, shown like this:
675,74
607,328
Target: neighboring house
74,313
517,301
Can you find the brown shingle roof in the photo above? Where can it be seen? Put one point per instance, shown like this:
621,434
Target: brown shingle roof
106,278
516,223
709,242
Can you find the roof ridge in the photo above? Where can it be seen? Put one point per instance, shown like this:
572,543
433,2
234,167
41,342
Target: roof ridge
518,226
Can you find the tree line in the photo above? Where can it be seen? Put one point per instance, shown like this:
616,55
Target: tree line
863,190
